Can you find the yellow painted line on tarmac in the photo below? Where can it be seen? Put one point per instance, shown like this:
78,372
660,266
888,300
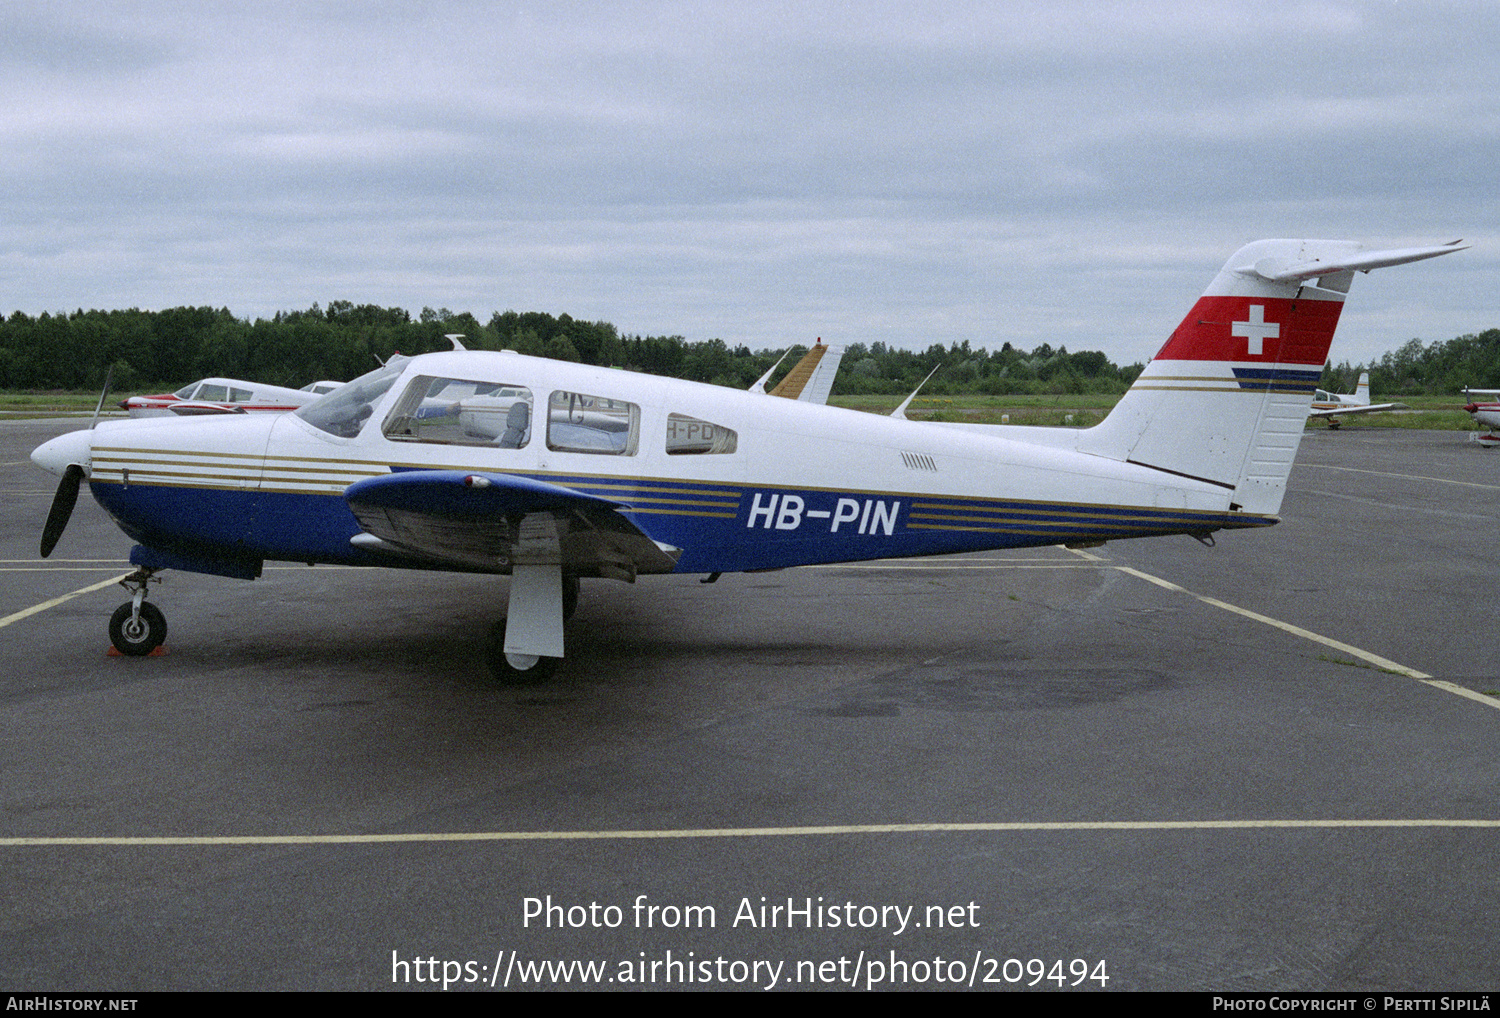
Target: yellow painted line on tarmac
36,608
1385,664
749,832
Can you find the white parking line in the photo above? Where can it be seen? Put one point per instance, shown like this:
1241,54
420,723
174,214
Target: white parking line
1382,663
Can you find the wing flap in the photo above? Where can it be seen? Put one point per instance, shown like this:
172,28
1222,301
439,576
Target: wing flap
1361,408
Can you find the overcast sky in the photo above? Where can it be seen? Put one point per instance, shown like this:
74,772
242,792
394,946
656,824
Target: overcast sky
910,173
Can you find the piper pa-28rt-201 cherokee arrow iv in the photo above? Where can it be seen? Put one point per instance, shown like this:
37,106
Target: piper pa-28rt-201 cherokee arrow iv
550,471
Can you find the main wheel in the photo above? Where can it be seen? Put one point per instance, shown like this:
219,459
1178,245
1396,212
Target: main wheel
570,595
516,669
140,636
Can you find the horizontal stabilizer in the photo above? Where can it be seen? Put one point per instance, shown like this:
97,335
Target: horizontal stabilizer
1283,270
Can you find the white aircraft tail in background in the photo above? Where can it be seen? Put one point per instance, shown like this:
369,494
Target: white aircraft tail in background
811,378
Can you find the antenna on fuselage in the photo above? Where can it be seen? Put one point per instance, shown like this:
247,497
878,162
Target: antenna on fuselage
454,337
109,376
760,385
900,412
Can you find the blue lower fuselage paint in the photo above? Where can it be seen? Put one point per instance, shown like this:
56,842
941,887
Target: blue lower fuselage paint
718,527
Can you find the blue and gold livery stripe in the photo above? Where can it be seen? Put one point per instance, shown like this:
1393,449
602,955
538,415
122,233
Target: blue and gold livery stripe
1065,520
659,496
228,471
1286,381
1296,381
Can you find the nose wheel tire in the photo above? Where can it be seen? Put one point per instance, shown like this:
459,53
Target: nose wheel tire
138,636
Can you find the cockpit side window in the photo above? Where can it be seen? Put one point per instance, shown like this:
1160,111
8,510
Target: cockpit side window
213,393
457,411
689,436
592,424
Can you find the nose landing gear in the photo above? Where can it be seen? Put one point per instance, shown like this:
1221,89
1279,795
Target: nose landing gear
137,628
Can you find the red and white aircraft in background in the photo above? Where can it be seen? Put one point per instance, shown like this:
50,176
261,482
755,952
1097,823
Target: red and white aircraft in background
1487,414
1333,405
225,396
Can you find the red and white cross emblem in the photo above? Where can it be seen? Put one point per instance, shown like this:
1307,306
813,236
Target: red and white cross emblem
1257,329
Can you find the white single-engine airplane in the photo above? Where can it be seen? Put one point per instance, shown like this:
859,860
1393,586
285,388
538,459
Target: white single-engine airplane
549,471
209,396
1333,405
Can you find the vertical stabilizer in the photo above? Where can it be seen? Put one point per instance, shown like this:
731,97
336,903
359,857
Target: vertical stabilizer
1226,398
811,378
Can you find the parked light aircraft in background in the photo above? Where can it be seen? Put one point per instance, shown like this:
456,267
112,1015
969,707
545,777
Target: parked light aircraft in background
1333,405
811,378
209,396
1486,413
551,471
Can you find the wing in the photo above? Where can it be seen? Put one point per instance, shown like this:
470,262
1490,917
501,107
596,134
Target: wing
191,408
1367,408
469,520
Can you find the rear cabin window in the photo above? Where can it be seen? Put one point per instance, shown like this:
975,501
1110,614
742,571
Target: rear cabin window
598,425
459,411
688,436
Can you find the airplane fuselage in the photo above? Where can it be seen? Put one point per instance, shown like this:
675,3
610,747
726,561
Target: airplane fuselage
802,484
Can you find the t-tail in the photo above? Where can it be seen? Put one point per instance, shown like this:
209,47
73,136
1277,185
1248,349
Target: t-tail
1226,398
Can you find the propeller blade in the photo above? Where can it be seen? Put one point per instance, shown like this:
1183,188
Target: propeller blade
62,507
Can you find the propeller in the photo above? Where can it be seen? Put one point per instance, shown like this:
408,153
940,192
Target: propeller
67,489
62,507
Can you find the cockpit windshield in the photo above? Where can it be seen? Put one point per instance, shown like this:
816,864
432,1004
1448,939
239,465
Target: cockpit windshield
344,411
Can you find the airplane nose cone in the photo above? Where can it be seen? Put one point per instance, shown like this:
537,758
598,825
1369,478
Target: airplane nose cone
56,455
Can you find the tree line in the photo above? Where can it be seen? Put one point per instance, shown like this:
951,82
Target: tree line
1440,368
166,349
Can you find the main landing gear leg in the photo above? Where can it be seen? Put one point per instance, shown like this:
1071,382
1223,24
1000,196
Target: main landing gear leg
138,627
527,645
